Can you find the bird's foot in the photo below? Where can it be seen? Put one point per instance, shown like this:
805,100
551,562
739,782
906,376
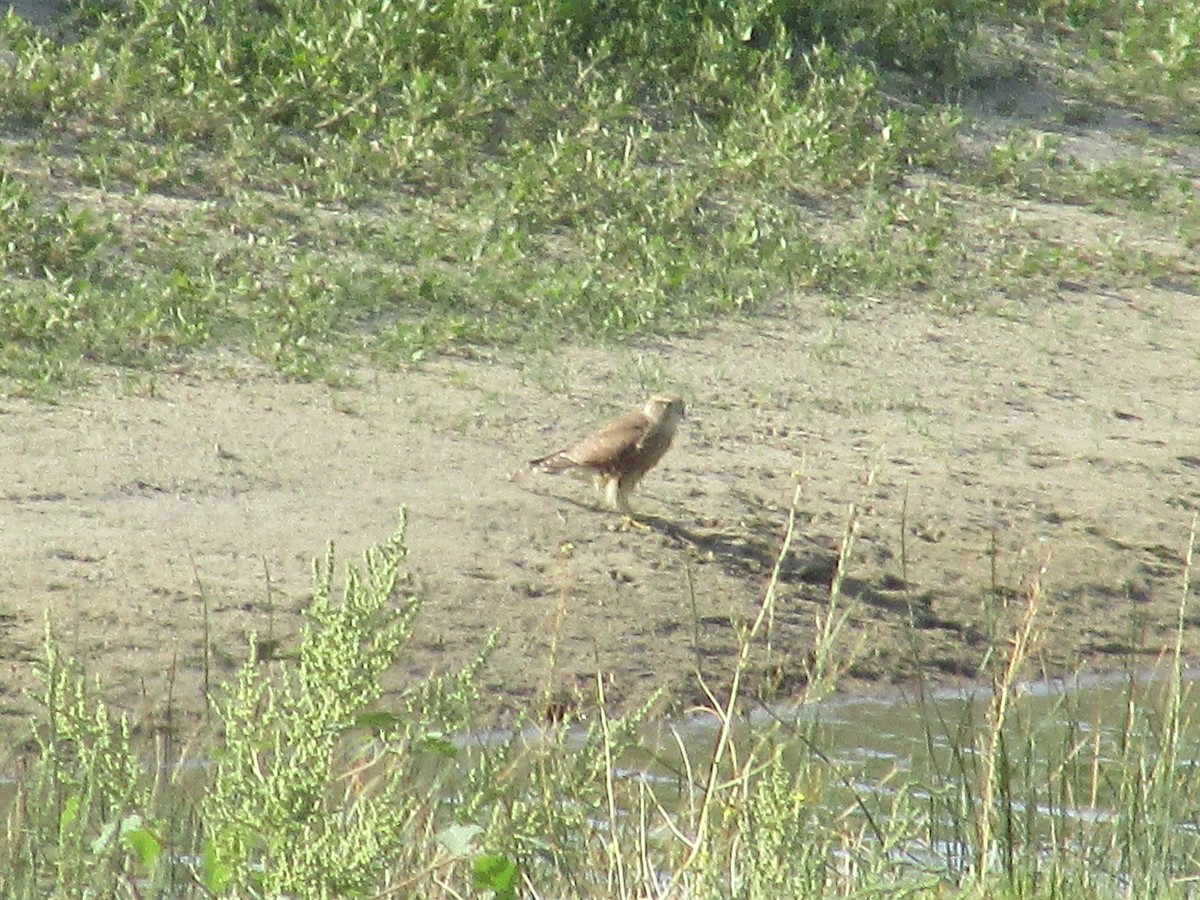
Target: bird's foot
628,523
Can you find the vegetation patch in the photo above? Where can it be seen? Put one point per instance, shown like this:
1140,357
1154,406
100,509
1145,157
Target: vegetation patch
311,183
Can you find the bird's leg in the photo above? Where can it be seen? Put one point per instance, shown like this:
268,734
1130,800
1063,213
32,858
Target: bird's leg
613,495
623,499
619,499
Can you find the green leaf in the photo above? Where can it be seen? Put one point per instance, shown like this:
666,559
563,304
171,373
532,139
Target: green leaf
436,742
378,720
215,873
495,872
69,813
141,840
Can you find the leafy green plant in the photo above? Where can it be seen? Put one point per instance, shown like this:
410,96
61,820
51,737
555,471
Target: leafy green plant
927,38
315,786
315,792
83,815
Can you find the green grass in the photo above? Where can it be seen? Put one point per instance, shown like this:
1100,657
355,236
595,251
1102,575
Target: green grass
309,785
312,184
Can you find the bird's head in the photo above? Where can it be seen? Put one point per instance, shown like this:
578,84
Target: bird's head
668,407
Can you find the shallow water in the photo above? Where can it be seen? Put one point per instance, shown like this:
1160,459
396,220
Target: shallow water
899,728
923,757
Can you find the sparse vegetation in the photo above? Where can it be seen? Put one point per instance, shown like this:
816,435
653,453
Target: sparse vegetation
309,183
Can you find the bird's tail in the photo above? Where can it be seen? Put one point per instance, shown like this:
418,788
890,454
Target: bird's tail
553,463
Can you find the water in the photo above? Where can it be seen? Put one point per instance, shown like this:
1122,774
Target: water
901,730
1075,763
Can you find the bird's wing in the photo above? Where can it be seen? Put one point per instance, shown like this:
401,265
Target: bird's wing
615,440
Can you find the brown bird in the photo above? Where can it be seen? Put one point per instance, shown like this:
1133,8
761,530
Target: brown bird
622,451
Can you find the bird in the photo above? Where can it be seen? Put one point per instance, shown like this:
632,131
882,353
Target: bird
620,453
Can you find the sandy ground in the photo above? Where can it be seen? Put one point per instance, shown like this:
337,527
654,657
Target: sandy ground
1063,438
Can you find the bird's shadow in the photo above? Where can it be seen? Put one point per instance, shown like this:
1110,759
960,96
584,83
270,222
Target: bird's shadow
750,555
744,553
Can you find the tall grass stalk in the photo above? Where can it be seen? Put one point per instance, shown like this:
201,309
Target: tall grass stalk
992,748
825,665
726,712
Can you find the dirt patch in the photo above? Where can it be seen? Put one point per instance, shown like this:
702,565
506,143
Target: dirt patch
1061,436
